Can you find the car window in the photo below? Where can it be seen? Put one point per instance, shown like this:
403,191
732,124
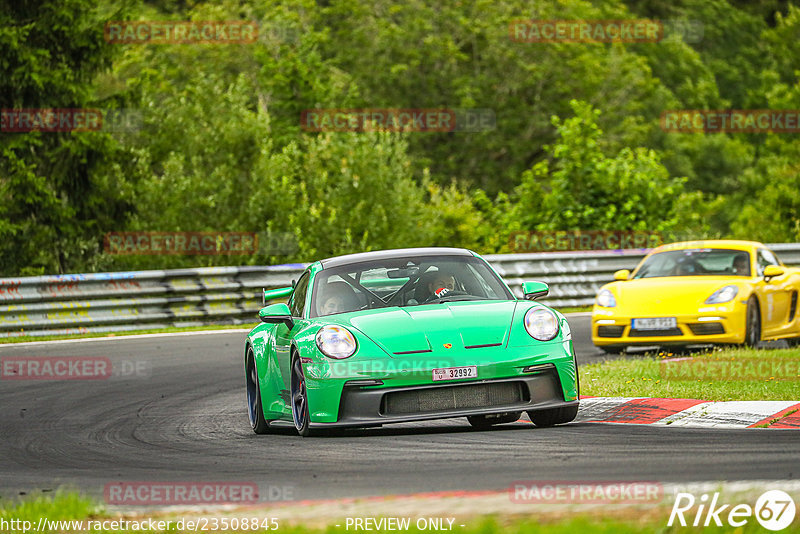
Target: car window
695,262
410,281
297,302
764,259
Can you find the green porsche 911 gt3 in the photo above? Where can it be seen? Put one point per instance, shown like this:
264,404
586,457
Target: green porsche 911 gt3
407,335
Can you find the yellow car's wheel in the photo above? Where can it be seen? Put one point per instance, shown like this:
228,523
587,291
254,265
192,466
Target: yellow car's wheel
753,321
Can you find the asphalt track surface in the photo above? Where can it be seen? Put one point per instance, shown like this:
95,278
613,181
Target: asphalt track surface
183,418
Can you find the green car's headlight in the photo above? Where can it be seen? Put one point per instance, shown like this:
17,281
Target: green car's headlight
605,298
541,324
336,342
723,294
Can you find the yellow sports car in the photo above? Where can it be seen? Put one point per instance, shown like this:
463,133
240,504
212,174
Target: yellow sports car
699,292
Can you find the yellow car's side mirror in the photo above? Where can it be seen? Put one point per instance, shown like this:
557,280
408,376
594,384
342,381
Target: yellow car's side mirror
771,271
622,275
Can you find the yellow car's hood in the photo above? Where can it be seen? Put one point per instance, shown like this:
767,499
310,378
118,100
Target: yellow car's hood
674,294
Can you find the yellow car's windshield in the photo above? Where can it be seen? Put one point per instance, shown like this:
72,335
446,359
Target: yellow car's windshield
696,262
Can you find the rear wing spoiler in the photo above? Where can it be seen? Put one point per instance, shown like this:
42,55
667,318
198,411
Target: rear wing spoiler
270,294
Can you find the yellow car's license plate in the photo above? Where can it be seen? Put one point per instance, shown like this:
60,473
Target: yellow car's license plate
655,323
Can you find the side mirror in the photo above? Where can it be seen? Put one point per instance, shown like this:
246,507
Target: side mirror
534,290
622,275
276,314
771,271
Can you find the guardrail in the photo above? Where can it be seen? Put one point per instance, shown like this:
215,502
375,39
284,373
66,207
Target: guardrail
145,300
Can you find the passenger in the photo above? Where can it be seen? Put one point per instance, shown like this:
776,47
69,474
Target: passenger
741,265
337,297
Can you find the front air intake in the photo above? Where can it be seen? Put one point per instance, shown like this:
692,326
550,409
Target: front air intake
453,398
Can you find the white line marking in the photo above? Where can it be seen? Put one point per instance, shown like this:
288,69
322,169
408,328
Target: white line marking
591,408
730,414
698,410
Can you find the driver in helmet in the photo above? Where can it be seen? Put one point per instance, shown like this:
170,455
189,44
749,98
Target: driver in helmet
439,284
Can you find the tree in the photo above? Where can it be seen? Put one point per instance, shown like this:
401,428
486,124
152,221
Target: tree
581,188
58,191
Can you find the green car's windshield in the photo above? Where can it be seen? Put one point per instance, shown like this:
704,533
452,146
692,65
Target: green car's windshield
695,262
404,282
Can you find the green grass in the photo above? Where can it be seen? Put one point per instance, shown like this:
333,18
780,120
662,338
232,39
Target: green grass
613,520
708,376
27,339
59,506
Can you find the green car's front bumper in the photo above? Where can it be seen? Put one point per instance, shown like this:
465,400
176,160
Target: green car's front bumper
390,390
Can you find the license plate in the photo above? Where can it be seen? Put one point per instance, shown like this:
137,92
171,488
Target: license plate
455,373
655,323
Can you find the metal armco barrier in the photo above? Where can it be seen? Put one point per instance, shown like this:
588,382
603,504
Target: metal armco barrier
144,300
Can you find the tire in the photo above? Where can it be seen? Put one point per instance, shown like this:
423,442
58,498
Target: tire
486,421
299,399
553,416
793,342
255,411
752,316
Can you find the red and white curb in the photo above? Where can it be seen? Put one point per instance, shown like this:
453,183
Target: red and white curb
690,412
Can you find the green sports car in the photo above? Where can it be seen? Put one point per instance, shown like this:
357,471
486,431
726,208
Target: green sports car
407,335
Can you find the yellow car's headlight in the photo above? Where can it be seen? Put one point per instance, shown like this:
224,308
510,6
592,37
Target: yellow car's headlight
605,298
723,294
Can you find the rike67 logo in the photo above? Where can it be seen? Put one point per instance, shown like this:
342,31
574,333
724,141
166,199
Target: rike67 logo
774,510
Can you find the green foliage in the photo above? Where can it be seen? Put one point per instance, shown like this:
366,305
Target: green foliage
773,213
221,147
459,55
58,191
583,189
343,193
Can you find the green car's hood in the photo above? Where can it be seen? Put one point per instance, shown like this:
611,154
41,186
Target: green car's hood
414,329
